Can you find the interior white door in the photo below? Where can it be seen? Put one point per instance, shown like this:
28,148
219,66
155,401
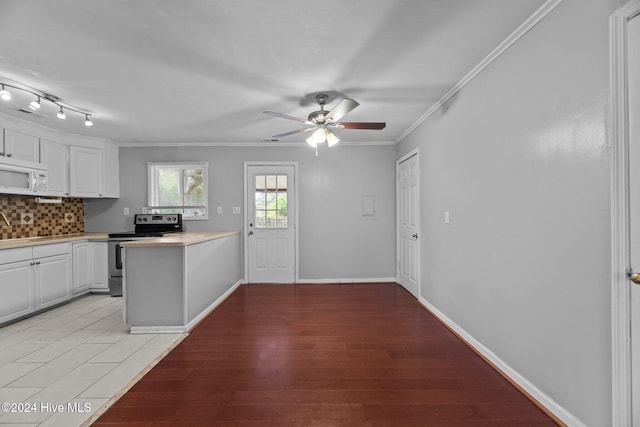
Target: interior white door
271,224
408,217
634,202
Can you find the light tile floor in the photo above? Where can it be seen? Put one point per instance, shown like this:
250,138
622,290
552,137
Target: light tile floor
64,366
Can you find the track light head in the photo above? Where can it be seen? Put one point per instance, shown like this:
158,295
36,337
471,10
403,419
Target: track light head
61,115
5,95
87,121
35,105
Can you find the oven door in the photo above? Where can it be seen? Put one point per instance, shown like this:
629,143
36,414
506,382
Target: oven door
115,267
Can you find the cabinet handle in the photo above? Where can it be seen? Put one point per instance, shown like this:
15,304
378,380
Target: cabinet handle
9,155
2,154
32,263
37,262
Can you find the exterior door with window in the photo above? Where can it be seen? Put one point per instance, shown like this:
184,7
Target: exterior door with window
271,239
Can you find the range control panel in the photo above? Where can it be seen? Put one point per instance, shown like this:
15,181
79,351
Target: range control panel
159,219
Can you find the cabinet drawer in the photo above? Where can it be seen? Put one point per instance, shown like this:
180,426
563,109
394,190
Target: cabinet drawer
15,255
42,251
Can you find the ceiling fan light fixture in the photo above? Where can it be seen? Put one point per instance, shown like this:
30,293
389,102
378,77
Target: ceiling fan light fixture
332,139
5,94
35,105
317,137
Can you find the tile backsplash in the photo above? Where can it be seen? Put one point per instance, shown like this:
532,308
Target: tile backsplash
30,219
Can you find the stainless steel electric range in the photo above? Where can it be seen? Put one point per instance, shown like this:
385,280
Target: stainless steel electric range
147,226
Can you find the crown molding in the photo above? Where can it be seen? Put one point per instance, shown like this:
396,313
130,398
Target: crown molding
523,29
247,144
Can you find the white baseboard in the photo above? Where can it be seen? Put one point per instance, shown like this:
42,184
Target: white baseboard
157,330
543,399
357,280
216,303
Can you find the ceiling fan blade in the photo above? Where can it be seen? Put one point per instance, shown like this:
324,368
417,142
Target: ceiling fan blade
361,125
340,110
293,132
284,116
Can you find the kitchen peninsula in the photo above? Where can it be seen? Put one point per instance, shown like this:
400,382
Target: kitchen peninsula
172,282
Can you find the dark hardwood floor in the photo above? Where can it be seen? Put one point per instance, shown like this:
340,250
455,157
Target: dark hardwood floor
323,355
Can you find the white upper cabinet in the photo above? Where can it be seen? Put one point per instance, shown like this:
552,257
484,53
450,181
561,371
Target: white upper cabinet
21,146
77,166
85,172
111,170
56,157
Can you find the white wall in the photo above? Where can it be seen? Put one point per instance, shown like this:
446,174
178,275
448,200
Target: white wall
336,242
520,159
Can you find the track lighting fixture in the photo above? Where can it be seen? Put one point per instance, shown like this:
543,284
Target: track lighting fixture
35,105
5,94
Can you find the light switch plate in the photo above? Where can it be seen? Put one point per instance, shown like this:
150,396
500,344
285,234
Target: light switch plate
219,210
126,211
446,217
236,210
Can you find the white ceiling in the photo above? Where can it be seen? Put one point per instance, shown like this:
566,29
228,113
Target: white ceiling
162,71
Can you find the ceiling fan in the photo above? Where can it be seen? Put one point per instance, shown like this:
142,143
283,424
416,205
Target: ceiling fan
322,121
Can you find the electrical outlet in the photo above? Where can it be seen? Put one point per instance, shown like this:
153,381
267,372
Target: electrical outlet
126,211
446,217
236,210
219,210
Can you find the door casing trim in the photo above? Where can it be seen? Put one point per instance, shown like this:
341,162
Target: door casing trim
245,242
620,256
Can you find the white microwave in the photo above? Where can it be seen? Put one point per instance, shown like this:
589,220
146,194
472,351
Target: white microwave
24,178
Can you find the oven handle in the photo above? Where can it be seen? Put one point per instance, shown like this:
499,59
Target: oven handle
118,257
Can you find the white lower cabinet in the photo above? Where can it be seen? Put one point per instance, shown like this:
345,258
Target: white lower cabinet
52,280
17,290
33,278
100,267
82,267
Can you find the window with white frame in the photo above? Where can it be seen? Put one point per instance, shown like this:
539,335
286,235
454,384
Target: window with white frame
178,187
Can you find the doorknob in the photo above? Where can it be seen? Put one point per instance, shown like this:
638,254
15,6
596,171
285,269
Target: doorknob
414,236
250,233
634,277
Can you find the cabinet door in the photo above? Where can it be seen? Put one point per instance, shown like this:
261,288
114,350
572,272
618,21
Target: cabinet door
85,172
82,267
16,288
100,267
112,170
21,146
56,157
52,280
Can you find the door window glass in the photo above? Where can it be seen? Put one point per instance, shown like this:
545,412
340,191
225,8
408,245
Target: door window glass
271,201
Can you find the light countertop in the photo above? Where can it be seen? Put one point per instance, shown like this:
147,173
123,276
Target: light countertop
47,240
180,239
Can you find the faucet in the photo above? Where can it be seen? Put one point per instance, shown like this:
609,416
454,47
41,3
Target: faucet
6,220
